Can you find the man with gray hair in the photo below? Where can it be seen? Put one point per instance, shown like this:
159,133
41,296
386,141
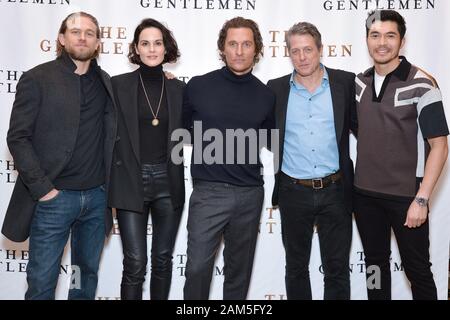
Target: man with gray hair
315,111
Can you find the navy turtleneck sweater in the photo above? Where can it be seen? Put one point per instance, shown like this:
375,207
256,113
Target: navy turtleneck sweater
222,100
152,140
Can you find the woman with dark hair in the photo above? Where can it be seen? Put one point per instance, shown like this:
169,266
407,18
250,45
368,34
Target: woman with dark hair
143,178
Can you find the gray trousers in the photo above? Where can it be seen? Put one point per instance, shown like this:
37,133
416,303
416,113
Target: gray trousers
219,210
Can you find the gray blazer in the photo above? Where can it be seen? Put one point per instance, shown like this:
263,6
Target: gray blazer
42,134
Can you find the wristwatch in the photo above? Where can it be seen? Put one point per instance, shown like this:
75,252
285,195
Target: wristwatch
423,202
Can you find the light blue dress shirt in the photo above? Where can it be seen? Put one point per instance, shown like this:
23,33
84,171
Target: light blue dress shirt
310,146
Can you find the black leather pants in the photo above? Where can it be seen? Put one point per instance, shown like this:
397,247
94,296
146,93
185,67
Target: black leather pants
134,229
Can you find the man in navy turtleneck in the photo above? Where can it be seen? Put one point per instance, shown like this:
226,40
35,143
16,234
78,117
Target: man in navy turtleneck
229,105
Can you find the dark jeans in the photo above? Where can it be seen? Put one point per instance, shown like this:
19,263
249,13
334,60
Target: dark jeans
133,232
375,217
300,208
83,214
219,210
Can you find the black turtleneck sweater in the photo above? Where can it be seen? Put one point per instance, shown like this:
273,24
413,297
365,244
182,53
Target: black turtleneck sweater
223,100
153,140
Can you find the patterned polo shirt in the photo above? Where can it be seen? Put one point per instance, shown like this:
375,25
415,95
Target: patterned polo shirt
393,130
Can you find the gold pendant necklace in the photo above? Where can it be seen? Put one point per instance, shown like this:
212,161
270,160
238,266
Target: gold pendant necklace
155,120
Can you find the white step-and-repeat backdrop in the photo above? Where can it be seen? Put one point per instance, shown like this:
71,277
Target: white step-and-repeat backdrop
28,37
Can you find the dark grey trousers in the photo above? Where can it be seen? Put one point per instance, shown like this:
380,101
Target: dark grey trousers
219,210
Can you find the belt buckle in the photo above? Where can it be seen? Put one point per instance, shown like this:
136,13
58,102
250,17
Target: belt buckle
317,184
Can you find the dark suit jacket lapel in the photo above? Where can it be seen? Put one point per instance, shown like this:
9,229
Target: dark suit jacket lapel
282,102
174,101
127,96
338,98
107,84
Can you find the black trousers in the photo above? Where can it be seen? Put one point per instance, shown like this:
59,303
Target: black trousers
133,231
216,211
301,208
374,218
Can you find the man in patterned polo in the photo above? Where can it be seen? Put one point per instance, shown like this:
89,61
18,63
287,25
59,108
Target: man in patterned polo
402,148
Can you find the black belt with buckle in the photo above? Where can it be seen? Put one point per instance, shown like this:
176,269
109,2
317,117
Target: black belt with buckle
317,183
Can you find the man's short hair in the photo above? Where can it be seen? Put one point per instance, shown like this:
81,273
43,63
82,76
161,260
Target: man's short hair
170,44
240,22
304,28
386,15
63,29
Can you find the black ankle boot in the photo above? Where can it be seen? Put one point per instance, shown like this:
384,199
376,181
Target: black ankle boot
128,292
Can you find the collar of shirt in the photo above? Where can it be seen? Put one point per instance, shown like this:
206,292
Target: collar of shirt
91,74
401,72
68,63
325,80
